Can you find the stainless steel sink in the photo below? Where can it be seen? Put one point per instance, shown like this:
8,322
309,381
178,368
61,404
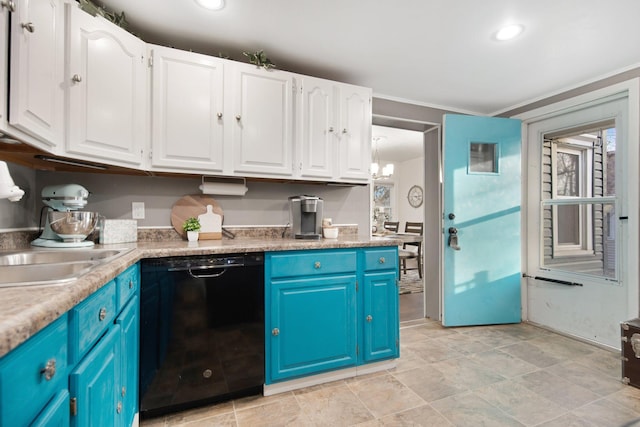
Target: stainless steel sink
31,257
43,274
51,267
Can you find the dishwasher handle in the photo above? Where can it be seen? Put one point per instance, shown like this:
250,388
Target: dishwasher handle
206,276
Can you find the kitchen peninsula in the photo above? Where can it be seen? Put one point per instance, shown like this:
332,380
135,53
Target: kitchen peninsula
26,311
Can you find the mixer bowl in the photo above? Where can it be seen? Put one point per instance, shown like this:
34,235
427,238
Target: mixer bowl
73,226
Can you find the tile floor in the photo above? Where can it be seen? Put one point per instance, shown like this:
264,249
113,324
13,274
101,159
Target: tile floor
510,375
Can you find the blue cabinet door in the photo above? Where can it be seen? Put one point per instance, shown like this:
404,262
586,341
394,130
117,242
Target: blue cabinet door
93,383
311,326
380,316
130,339
56,413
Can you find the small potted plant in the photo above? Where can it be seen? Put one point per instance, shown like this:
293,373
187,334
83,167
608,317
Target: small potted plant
192,227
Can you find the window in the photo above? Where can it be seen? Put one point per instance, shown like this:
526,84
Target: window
578,201
483,157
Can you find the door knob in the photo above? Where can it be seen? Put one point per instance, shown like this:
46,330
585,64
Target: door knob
453,239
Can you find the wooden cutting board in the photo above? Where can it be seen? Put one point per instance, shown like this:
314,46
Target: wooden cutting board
195,205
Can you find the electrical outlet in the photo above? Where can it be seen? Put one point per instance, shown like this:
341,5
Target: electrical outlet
137,210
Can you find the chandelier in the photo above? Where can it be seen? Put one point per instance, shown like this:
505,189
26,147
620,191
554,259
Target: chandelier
387,170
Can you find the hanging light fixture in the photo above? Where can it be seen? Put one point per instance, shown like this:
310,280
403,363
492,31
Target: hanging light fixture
387,170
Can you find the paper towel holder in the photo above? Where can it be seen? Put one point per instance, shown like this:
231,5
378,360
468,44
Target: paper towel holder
223,186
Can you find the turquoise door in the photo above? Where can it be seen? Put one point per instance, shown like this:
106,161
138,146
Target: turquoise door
481,283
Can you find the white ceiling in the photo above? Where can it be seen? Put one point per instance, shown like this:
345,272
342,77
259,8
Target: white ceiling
432,52
396,145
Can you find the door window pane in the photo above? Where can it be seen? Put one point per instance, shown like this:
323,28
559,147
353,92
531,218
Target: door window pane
483,157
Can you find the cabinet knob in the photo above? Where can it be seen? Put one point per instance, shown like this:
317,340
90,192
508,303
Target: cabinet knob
124,391
344,130
317,265
119,407
130,284
102,314
49,370
219,115
76,78
381,260
369,318
9,5
238,117
331,129
275,332
28,26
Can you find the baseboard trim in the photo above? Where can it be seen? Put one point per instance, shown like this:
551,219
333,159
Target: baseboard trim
326,377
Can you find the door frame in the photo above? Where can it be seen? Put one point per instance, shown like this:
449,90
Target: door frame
631,186
432,185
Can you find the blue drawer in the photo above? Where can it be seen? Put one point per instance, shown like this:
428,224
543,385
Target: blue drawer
89,319
127,285
381,258
33,373
310,263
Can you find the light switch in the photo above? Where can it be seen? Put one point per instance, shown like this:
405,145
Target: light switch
137,210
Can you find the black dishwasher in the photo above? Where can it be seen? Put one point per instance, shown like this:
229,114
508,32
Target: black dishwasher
201,330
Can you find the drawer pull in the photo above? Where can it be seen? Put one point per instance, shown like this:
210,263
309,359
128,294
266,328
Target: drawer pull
275,332
369,318
28,26
382,260
10,5
130,284
102,314
317,265
49,370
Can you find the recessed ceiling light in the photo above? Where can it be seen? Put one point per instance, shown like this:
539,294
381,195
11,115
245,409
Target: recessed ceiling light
211,4
509,32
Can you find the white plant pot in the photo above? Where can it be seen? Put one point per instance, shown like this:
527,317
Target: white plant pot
192,236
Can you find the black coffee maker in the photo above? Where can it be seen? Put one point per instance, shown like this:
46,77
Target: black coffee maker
306,217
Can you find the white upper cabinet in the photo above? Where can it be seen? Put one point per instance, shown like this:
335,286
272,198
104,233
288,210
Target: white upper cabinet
333,131
187,111
36,92
316,124
354,146
262,115
107,89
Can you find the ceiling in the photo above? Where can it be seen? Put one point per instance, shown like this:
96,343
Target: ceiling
396,145
437,53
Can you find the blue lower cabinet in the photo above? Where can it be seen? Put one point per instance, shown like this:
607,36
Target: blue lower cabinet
329,309
129,344
93,384
82,369
56,413
32,374
311,327
380,312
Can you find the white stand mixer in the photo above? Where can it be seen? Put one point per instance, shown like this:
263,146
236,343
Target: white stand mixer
63,198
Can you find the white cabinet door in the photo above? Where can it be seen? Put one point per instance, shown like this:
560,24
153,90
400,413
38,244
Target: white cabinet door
187,111
355,133
316,124
107,78
262,112
37,70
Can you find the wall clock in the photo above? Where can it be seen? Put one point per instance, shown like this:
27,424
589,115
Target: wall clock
415,196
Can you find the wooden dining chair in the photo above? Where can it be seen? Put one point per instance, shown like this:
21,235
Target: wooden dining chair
391,226
404,253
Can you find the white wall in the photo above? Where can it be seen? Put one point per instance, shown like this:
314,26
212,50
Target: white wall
410,173
266,203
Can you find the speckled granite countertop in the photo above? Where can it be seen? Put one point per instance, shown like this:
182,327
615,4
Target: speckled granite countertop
26,310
